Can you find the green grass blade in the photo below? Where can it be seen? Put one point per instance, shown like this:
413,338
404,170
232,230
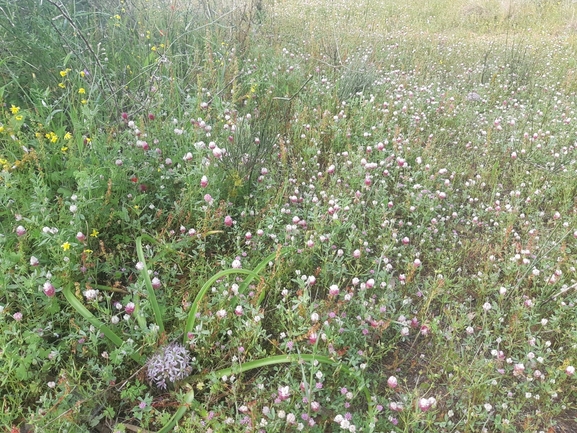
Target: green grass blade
251,365
109,333
259,268
194,307
149,288
188,401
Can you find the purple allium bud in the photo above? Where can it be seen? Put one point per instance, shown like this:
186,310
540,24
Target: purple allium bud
204,182
81,236
156,283
34,261
20,231
228,221
17,316
392,382
171,363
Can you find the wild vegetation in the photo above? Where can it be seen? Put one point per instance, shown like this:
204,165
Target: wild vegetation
288,216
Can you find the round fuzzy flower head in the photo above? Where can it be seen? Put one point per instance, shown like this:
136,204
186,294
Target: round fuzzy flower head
170,364
49,289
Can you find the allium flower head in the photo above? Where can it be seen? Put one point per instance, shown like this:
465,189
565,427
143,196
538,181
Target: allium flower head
171,363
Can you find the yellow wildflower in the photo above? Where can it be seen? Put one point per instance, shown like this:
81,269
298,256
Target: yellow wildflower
63,149
65,246
1,128
117,16
67,136
87,251
81,91
153,48
62,85
64,73
14,109
94,233
52,137
84,101
19,117
82,74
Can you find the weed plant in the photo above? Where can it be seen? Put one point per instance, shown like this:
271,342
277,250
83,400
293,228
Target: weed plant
288,216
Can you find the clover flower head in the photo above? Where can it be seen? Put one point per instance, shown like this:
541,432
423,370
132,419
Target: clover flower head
171,363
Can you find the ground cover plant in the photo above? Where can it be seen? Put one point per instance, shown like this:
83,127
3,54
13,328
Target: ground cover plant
288,216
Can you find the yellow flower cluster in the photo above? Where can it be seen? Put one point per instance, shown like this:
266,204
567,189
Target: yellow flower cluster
52,137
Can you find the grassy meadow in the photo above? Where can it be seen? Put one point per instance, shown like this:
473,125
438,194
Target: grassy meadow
288,215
